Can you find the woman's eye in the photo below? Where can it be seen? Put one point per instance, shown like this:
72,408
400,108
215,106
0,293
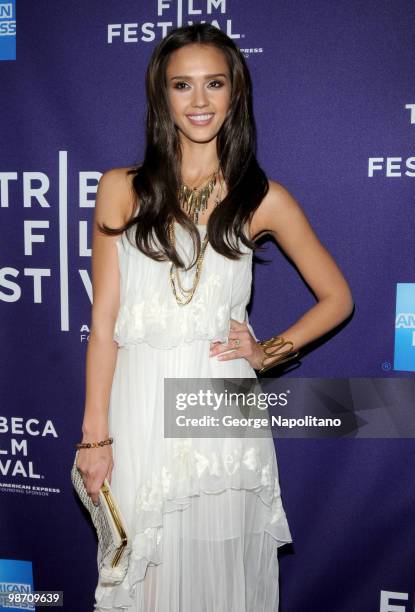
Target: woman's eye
218,83
178,85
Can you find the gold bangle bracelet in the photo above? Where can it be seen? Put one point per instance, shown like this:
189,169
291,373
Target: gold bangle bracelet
94,444
270,348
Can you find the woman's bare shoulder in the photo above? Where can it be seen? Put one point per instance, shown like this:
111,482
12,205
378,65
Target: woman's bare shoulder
276,201
116,196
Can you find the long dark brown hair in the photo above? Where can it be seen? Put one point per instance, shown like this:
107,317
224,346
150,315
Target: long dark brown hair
156,181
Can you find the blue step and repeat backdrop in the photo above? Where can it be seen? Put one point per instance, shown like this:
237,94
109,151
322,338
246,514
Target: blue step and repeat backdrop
334,98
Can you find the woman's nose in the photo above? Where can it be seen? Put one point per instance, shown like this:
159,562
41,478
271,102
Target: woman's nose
199,97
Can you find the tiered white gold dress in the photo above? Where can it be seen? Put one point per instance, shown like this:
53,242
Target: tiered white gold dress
205,515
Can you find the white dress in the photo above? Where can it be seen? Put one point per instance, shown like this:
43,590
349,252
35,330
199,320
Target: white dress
205,515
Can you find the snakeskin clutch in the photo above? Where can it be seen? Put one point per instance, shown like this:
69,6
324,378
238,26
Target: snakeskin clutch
113,541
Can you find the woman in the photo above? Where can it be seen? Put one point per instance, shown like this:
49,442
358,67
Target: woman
205,515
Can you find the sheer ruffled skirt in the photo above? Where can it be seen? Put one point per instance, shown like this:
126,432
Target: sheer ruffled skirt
205,515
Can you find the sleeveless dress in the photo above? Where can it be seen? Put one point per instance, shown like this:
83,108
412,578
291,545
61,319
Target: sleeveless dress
205,515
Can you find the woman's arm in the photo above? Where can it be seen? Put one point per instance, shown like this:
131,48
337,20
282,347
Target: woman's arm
111,208
280,215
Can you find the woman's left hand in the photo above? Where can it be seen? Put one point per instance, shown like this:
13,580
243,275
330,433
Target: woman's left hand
247,346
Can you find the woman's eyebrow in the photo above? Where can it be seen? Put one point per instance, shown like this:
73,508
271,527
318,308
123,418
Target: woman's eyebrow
207,76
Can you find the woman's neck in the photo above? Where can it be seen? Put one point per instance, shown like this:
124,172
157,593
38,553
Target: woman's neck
199,162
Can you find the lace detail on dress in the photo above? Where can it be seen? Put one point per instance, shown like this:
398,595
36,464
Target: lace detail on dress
191,471
155,315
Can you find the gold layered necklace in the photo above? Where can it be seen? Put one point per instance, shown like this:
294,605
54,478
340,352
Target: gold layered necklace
196,204
187,294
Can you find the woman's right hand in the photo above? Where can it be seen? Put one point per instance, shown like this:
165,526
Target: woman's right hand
95,464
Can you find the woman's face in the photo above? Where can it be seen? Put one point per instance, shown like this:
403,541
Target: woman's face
199,91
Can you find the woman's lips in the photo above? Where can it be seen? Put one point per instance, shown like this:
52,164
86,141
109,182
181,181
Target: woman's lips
200,119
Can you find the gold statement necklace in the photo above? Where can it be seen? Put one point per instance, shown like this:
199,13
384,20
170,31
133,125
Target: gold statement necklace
194,201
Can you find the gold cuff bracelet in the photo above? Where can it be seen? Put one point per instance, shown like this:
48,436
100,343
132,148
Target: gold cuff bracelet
270,347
